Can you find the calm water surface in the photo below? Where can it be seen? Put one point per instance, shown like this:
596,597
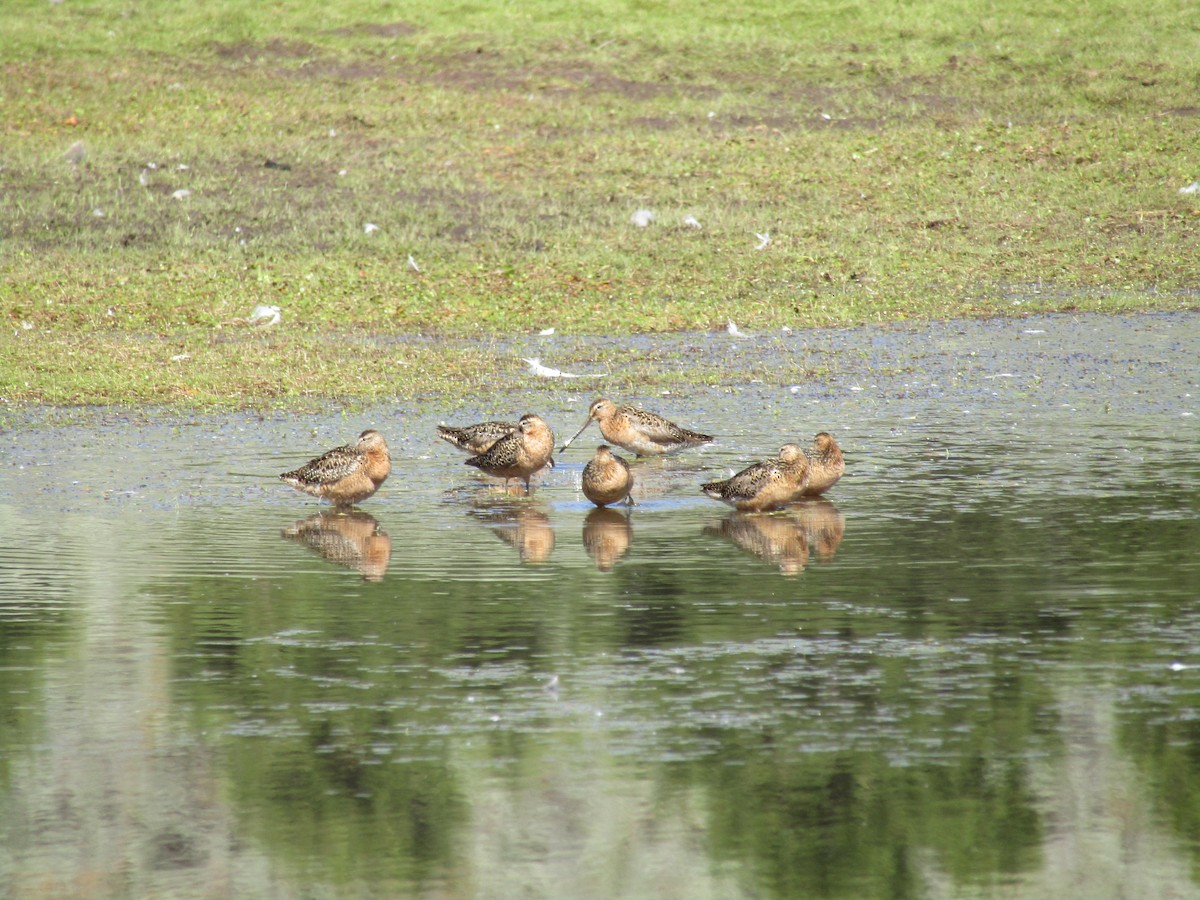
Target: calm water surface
974,670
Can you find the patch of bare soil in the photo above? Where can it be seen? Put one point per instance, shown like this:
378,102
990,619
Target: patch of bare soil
274,49
376,29
479,69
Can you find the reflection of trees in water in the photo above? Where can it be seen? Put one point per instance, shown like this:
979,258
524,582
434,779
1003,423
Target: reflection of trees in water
607,534
852,825
656,613
1158,729
941,791
325,795
783,538
349,538
106,792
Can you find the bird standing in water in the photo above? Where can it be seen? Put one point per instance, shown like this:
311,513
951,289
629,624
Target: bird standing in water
825,464
606,478
639,431
766,485
345,475
519,454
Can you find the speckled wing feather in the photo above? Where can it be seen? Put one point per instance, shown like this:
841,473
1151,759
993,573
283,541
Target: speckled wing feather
747,483
476,438
329,467
501,454
662,431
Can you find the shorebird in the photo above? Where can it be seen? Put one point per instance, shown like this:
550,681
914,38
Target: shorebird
520,453
825,464
766,485
606,478
476,439
639,431
345,475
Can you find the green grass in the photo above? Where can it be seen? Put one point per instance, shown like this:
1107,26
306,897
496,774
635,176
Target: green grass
909,161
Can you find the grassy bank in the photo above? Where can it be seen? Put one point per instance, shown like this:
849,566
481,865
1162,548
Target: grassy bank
167,168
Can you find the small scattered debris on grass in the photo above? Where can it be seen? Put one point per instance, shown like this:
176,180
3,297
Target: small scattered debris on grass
265,316
763,240
536,368
691,222
370,228
642,218
734,331
1193,188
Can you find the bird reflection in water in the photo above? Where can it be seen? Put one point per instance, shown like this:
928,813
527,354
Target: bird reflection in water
350,538
607,535
824,523
521,524
783,538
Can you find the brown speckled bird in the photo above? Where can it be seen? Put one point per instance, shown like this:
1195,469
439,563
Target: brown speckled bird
519,454
476,439
825,464
766,485
345,475
638,430
606,478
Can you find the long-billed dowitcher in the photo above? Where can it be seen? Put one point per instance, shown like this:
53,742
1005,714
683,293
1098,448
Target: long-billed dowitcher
476,439
519,454
606,478
345,475
639,431
766,485
825,464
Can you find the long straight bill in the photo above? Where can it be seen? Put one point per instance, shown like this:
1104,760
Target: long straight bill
577,434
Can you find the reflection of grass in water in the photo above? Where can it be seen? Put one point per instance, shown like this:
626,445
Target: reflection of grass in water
923,170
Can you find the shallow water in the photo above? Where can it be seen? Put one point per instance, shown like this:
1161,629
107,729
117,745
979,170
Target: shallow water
973,671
